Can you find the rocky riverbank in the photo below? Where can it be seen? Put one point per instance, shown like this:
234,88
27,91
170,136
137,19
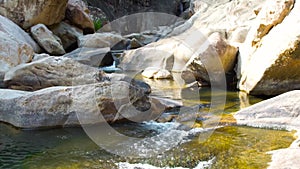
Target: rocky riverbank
52,59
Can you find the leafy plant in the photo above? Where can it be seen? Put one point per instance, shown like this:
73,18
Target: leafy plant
98,23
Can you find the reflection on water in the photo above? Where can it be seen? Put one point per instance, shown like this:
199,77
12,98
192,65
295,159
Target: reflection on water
230,147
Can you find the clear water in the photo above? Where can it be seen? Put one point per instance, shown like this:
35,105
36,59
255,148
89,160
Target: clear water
229,147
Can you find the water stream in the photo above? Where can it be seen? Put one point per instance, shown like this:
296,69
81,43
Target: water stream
229,146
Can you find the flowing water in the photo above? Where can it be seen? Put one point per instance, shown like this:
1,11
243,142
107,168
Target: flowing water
228,146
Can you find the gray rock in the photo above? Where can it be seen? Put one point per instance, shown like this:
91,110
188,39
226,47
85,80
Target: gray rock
102,40
79,105
51,71
68,34
15,32
29,13
51,43
92,56
282,111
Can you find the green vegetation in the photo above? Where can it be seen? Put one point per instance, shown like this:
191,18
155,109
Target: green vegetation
98,23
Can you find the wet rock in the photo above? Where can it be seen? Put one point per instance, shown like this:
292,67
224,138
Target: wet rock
92,56
63,106
102,40
78,14
29,13
51,43
51,71
269,61
68,34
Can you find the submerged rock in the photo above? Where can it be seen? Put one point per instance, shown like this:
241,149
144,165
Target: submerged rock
79,105
29,13
50,42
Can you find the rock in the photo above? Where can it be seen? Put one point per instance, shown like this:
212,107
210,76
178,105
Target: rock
78,14
172,54
68,34
115,9
29,13
271,66
281,112
51,71
204,61
134,43
102,40
16,33
51,43
92,56
156,73
12,53
40,56
225,16
278,112
63,106
144,39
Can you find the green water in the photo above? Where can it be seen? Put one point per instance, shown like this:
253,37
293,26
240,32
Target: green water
230,147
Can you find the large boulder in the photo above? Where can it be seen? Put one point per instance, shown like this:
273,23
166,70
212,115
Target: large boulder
78,14
51,43
68,35
190,51
281,112
29,13
102,40
18,34
269,60
79,105
51,71
16,46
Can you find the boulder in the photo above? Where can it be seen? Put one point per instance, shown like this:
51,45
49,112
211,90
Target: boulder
225,16
102,40
78,14
78,105
278,112
16,33
184,52
51,43
269,62
68,35
92,56
51,71
29,13
12,53
204,62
